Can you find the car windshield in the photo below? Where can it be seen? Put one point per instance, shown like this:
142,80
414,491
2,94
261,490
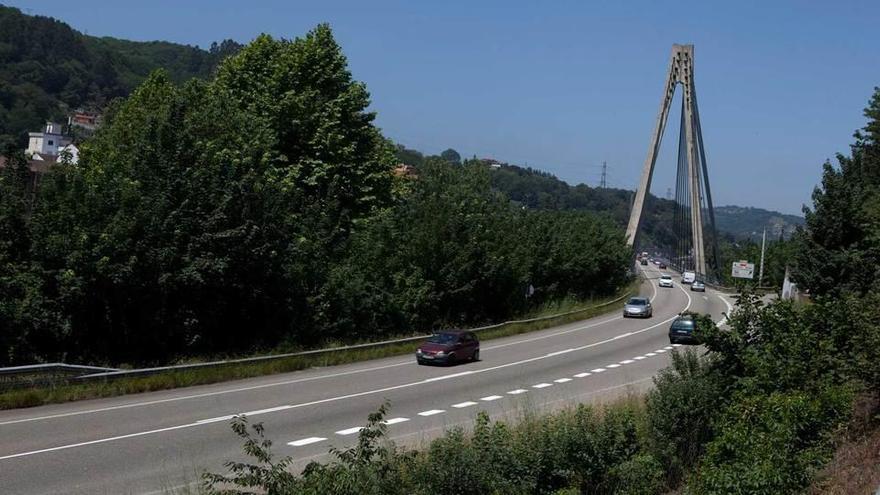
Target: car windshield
666,277
638,301
684,323
443,338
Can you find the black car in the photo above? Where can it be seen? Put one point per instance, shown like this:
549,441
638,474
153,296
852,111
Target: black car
662,266
644,261
449,347
682,330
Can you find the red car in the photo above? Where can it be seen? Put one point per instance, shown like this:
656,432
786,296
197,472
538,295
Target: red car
449,347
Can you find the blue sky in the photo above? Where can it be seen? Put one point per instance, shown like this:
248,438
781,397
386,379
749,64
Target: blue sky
565,85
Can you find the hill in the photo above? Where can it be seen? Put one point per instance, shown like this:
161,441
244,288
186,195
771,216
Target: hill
745,222
47,69
537,189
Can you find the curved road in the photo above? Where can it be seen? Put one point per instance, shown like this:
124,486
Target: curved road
148,443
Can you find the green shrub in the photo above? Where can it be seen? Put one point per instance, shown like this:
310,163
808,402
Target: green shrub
681,410
771,444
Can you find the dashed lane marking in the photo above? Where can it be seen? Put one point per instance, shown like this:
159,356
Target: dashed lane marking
464,404
350,431
613,365
490,398
582,375
431,412
562,380
627,361
598,370
517,391
306,441
394,421
542,385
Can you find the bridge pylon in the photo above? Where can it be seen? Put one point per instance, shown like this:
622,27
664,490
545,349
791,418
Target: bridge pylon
693,197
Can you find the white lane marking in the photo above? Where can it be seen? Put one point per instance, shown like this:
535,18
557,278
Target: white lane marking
490,398
447,377
651,354
627,361
562,380
660,351
613,365
623,335
394,421
305,441
217,419
557,353
676,345
314,402
639,358
350,431
668,348
266,411
517,391
582,375
461,405
542,385
432,412
706,297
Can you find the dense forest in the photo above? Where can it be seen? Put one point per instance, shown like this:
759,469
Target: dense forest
48,69
259,208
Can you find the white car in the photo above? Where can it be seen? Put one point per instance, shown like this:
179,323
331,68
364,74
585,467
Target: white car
665,281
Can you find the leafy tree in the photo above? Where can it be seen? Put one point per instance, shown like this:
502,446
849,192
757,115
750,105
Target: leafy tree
451,156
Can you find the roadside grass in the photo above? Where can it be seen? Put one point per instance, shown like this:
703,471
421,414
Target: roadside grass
41,395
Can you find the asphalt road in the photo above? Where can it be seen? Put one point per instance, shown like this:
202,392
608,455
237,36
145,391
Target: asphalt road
148,443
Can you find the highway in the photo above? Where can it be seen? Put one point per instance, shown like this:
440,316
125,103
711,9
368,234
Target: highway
148,443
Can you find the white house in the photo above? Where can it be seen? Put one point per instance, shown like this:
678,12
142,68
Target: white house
49,142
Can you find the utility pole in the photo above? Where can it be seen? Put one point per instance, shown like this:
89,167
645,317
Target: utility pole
603,184
761,269
669,193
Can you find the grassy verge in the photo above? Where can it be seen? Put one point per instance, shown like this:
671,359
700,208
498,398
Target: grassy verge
37,396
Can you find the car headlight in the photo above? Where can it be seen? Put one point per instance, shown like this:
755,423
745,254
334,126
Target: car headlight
440,354
418,351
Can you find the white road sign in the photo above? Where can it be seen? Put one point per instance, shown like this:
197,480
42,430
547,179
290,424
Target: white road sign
742,269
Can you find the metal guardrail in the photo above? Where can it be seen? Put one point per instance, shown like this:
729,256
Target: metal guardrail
44,374
112,373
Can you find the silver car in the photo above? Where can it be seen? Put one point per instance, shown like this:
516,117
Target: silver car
698,286
639,307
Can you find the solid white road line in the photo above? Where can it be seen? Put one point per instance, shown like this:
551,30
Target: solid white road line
432,412
517,391
447,377
394,421
542,385
558,353
582,375
216,420
491,398
350,431
306,441
461,405
562,380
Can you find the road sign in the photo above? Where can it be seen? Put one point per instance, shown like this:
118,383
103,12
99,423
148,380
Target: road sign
742,269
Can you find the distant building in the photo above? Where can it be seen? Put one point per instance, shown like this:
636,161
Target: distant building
51,146
83,119
407,171
42,145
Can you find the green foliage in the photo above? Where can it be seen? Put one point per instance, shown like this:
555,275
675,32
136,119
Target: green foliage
772,443
47,69
451,156
681,410
841,245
